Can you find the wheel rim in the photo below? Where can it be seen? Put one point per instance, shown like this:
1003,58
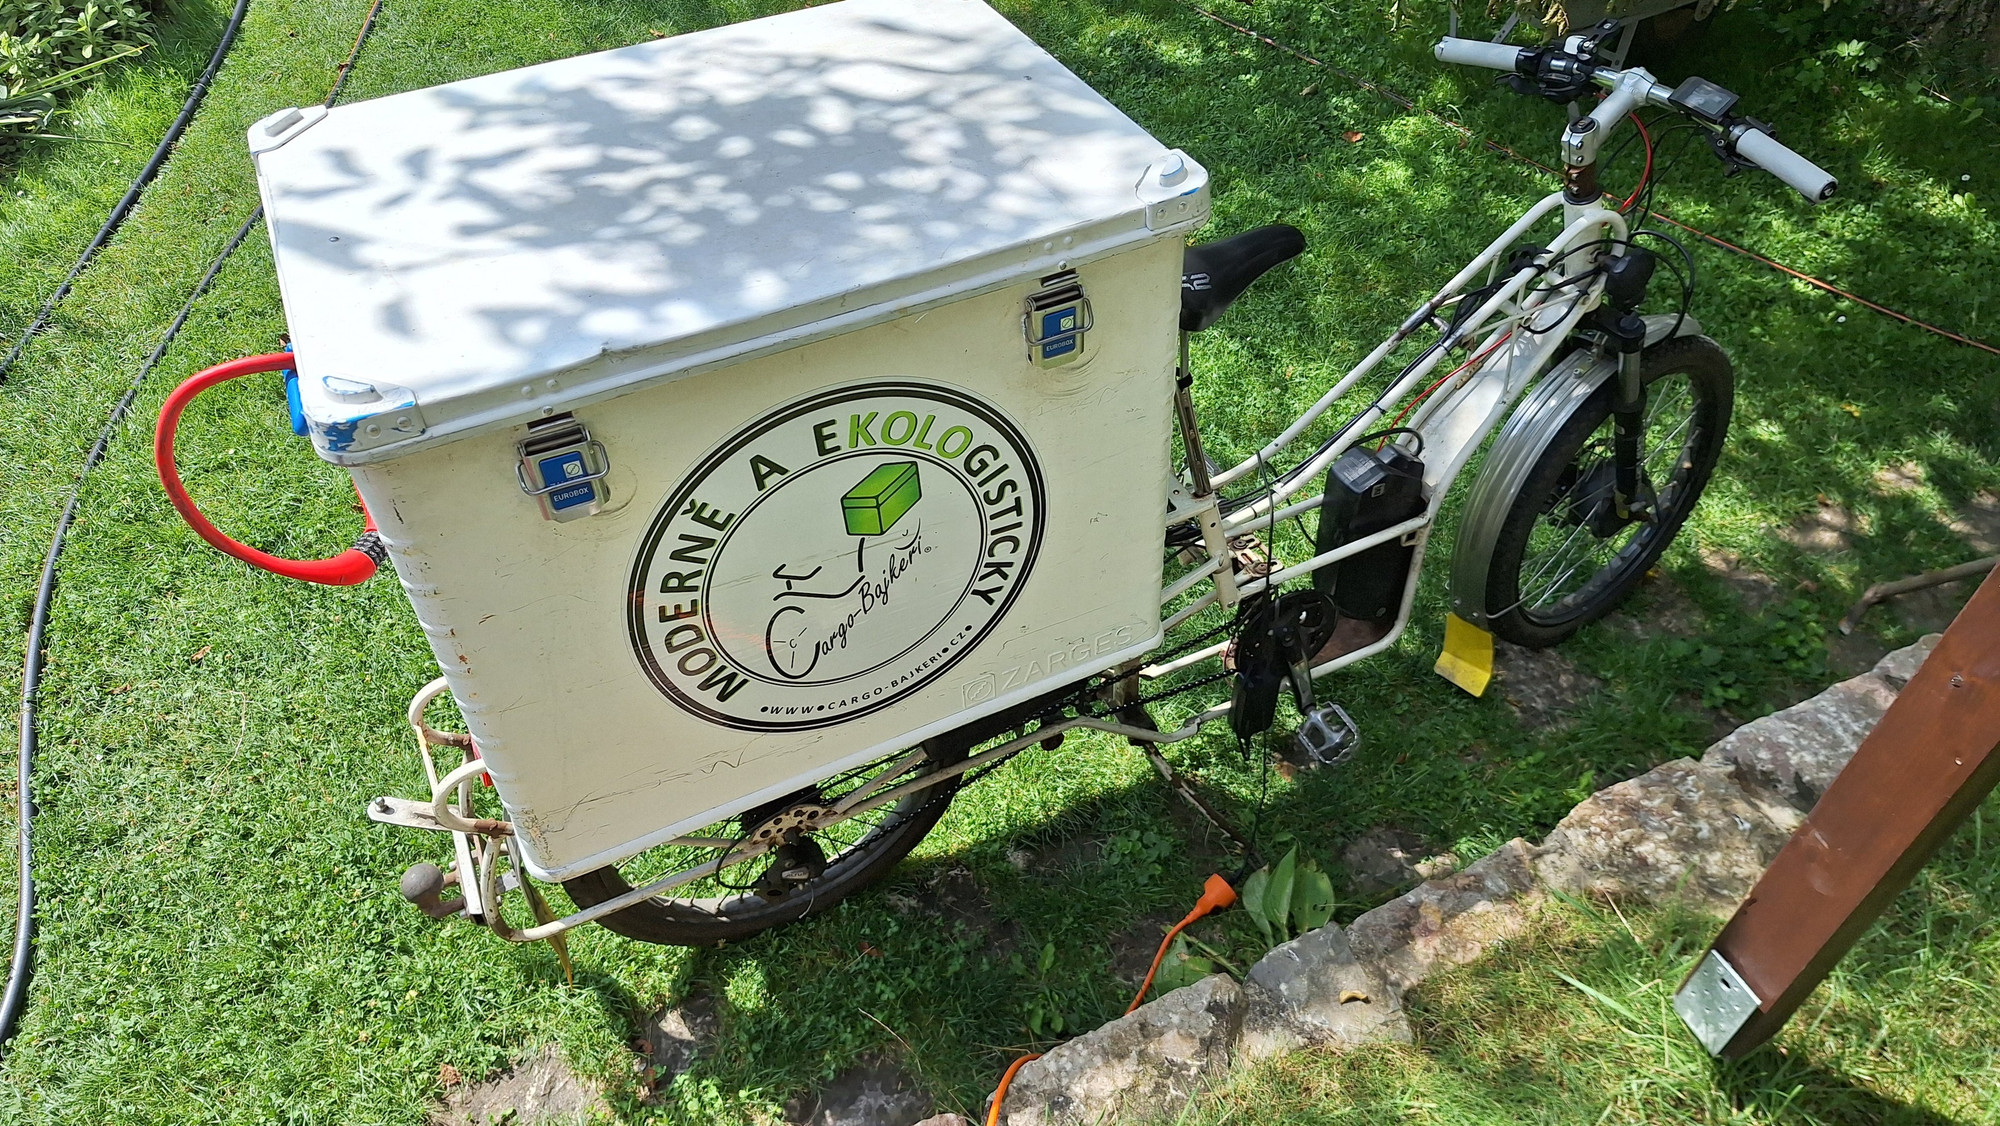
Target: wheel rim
1566,561
801,856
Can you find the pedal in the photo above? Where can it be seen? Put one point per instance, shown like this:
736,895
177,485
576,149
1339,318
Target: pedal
1275,644
1328,737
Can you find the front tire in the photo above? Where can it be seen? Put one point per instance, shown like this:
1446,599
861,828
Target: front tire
1558,563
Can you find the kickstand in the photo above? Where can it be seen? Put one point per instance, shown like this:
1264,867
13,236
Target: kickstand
1138,717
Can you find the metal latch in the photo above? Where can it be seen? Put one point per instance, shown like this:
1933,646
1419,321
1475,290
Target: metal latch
563,468
1055,319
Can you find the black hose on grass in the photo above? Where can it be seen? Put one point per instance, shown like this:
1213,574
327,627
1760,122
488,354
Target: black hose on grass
117,217
31,672
16,996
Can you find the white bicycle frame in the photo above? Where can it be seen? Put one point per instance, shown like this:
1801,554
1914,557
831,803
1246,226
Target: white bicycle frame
1513,337
1519,330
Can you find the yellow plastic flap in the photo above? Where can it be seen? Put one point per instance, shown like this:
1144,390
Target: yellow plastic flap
1467,660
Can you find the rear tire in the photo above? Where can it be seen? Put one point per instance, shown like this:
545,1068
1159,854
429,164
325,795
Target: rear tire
1552,572
755,895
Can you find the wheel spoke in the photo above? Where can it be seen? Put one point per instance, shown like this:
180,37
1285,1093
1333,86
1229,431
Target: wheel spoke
1563,563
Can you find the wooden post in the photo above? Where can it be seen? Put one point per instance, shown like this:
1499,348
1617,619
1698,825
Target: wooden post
1928,764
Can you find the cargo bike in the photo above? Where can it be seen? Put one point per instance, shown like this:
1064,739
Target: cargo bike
773,428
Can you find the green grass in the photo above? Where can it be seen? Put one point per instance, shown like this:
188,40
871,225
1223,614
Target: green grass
222,940
1574,1022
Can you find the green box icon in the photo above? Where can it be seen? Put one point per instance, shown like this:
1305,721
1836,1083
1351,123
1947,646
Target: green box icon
873,507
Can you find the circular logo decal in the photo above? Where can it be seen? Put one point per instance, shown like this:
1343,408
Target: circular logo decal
835,555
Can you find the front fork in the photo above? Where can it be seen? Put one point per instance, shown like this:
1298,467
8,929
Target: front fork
1628,410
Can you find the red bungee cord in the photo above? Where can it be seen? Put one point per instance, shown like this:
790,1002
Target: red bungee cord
350,567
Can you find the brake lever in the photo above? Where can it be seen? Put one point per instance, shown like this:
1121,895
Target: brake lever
1725,149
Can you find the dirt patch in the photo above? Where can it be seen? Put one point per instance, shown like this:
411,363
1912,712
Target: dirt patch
1899,479
1132,949
1541,685
540,1089
1757,590
672,1039
1932,609
951,895
1978,522
1851,654
1386,859
1660,606
871,1093
1826,530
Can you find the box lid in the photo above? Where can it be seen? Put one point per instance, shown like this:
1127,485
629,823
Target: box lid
504,247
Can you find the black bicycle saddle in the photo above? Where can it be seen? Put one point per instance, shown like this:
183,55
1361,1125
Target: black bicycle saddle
1216,273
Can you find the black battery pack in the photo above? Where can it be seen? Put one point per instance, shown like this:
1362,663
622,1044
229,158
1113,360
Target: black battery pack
1366,491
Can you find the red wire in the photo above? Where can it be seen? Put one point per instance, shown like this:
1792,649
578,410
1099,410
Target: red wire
1648,173
346,569
1412,404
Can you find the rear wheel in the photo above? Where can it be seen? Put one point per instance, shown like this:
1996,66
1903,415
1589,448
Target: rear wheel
1563,558
807,869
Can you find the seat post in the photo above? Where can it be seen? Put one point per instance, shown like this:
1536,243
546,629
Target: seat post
1190,432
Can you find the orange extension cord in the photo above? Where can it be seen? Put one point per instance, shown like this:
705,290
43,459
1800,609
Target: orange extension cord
1216,894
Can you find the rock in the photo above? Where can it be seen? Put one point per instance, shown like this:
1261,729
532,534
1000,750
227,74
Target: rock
1146,1064
1683,830
1542,685
872,1093
1386,858
540,1089
946,1119
1450,921
1313,990
1792,756
1897,668
675,1037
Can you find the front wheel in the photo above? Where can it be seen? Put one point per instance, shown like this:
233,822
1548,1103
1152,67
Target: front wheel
1562,559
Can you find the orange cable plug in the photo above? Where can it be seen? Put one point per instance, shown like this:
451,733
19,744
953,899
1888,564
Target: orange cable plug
1216,895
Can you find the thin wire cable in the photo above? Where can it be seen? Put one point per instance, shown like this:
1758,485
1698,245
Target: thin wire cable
1495,146
124,207
21,968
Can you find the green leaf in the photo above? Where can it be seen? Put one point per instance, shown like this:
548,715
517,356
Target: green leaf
1252,898
1277,904
1048,956
1312,898
1180,968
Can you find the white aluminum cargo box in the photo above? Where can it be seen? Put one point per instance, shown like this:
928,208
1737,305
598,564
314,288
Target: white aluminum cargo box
779,271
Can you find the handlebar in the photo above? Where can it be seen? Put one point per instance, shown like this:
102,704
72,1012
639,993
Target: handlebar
1805,177
1477,52
1709,104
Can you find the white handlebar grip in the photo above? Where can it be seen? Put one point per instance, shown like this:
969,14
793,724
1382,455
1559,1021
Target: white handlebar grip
1809,179
1476,52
